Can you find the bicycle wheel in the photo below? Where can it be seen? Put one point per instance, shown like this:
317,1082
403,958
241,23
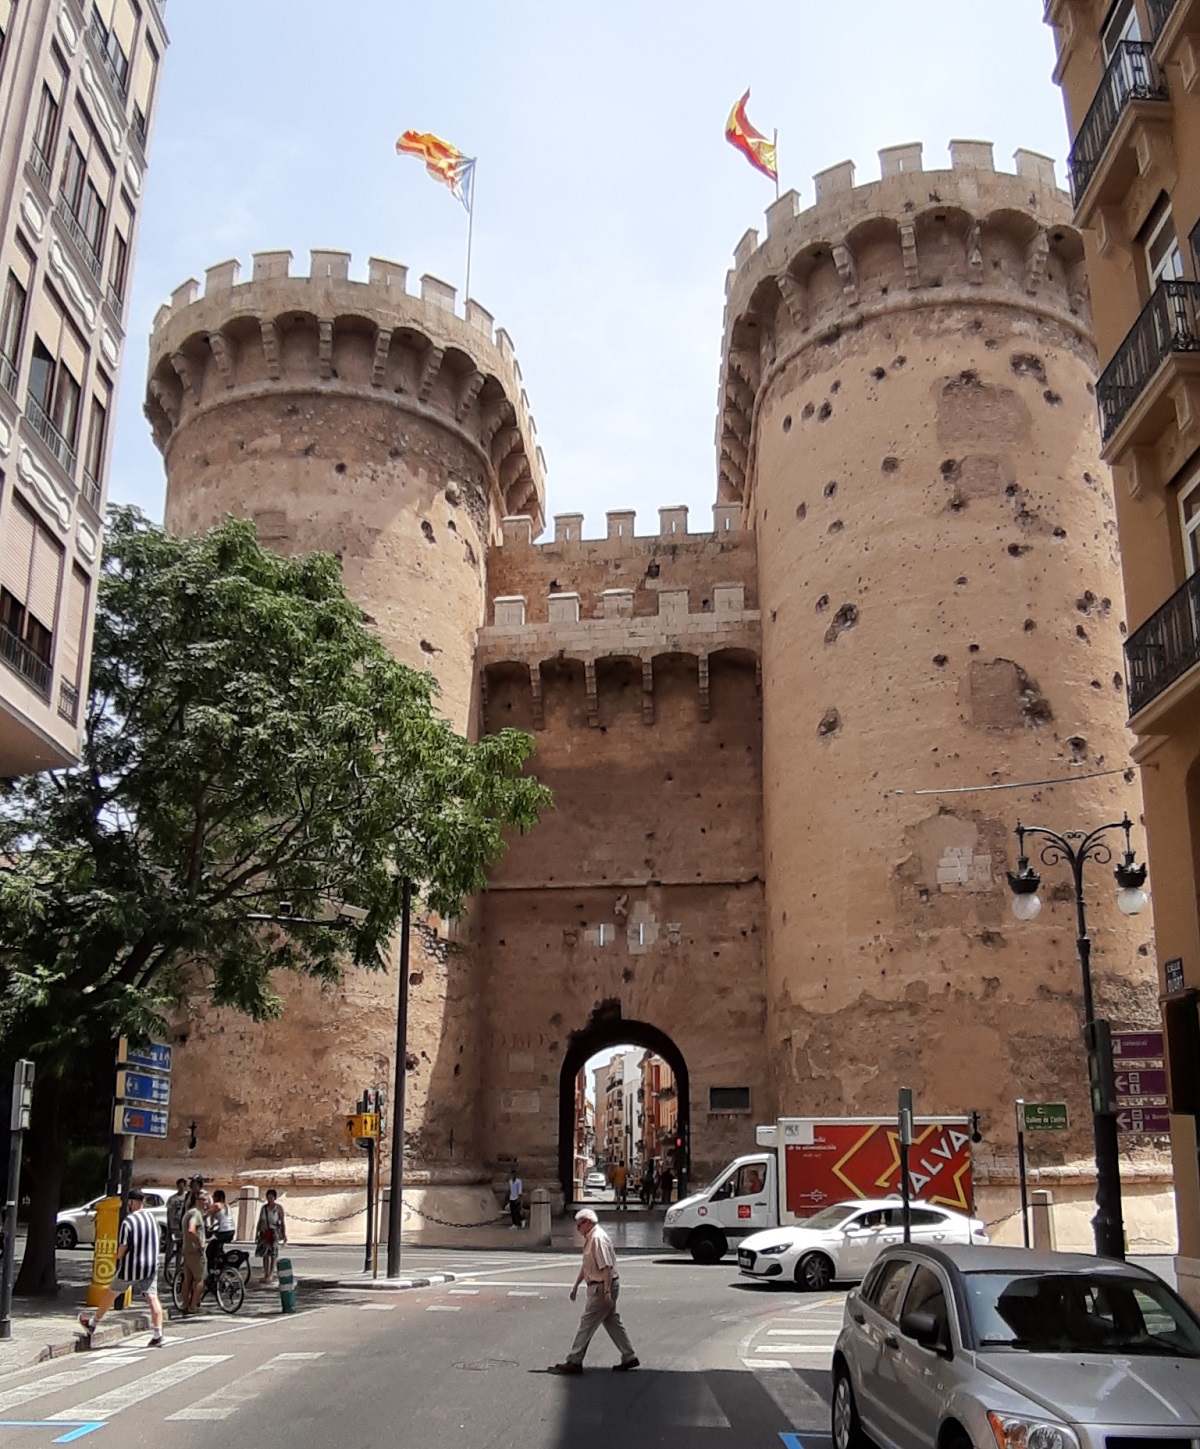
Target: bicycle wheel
231,1291
177,1288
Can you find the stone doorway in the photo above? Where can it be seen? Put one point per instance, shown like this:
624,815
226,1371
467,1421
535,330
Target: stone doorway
608,1032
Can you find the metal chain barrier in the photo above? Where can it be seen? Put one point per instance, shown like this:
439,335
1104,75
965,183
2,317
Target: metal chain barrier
296,1217
442,1223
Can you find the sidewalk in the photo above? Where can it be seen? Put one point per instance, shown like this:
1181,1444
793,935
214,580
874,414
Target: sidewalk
45,1328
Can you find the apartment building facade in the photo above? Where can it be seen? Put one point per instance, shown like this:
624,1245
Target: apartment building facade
1130,75
78,87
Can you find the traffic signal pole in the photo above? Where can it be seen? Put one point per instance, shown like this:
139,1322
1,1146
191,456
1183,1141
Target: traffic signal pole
22,1093
396,1201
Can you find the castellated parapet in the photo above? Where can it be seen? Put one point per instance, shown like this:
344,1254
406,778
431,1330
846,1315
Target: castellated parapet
907,419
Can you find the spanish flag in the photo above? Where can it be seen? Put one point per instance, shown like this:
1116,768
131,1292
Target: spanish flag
751,143
444,162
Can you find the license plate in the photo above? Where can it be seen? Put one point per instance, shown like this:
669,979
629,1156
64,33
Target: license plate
745,1259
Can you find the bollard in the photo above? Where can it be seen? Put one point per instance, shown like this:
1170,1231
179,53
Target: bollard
539,1216
1042,1204
287,1285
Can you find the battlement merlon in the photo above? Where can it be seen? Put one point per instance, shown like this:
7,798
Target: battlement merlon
518,530
328,294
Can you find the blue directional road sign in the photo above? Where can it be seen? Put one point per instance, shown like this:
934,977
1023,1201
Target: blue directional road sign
139,1121
154,1058
143,1087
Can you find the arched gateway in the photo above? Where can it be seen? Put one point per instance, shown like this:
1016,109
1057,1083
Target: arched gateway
614,1031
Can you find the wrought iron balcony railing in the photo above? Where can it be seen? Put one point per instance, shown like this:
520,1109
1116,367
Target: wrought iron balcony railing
68,701
1132,75
49,434
1165,647
90,489
21,659
119,78
1158,12
77,234
1169,322
8,376
41,166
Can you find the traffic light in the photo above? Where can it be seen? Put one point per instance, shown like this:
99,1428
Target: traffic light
1098,1038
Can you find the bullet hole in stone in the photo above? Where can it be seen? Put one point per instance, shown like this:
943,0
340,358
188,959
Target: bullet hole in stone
950,468
451,525
835,386
822,603
801,512
1060,533
845,618
890,464
457,1068
1011,491
1128,778
415,978
1118,682
1091,387
627,975
339,467
879,373
899,361
310,450
411,1062
1017,550
975,324
242,448
1052,397
1030,626
453,497
836,526
831,489
773,615
1026,364
961,580
787,423
824,412
428,648
968,377
766,511
829,724
807,412
1078,747
957,503
940,660
427,530
1089,480
1081,633
972,648
1086,603
1095,684
990,343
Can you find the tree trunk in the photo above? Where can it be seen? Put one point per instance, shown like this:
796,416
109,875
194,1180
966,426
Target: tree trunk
42,1171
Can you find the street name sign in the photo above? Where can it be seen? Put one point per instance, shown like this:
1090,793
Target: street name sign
156,1057
1045,1116
139,1121
143,1087
1136,1120
1173,975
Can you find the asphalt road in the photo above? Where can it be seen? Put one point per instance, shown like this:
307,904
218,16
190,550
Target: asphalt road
724,1363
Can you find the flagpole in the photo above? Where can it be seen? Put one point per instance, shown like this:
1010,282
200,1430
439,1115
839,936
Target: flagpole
470,235
775,144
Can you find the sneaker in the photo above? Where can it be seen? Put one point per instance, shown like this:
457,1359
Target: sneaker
565,1368
88,1323
156,1341
626,1364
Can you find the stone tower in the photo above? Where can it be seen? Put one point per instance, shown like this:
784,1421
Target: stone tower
907,419
355,418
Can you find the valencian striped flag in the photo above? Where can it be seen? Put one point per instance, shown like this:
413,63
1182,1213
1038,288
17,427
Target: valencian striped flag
751,143
444,162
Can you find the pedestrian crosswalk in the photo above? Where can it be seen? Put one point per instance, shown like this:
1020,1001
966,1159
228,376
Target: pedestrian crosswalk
224,1401
802,1338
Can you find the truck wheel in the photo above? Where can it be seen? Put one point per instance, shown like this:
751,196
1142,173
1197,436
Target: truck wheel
847,1430
707,1246
814,1272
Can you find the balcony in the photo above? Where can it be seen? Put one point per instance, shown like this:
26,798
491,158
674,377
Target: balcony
79,237
90,489
49,434
68,702
8,376
1132,89
1167,325
1158,12
39,165
119,78
1170,20
21,659
1165,647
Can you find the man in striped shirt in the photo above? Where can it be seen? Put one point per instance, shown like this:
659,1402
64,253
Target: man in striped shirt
137,1268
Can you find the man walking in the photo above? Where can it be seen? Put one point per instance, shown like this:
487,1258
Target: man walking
599,1271
137,1268
515,1188
176,1206
620,1179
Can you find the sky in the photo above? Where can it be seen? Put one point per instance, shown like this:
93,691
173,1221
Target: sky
608,202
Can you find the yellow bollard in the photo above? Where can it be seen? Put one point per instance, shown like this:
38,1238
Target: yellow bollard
104,1265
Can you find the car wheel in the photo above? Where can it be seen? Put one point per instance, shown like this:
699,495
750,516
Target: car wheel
65,1236
707,1246
956,1438
814,1272
846,1428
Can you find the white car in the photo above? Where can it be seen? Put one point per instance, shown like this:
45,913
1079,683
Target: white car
842,1241
76,1227
595,1182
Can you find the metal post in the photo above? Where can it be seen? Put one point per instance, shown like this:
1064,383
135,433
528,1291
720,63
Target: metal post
370,1247
396,1204
1021,1170
22,1092
905,1116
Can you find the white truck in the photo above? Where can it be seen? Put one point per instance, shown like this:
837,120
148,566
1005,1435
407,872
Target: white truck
805,1163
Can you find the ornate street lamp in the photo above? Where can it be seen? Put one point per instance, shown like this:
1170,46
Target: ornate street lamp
1074,847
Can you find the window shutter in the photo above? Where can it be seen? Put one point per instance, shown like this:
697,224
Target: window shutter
44,578
70,646
124,25
17,525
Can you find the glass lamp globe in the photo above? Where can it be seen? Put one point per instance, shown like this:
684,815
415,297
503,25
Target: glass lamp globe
1132,900
1027,907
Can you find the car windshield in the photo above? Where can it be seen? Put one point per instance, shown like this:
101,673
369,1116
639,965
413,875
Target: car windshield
1080,1313
829,1217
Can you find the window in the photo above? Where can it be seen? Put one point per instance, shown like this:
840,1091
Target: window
1122,24
64,411
12,324
84,203
884,1290
30,572
45,133
118,267
70,649
1160,246
729,1099
920,1217
41,375
54,394
97,436
927,1295
1189,509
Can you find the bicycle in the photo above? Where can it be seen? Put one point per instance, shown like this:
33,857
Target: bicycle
224,1283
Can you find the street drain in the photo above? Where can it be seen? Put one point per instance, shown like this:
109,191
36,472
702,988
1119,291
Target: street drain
481,1365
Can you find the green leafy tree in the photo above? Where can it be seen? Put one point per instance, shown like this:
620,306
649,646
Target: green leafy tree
251,752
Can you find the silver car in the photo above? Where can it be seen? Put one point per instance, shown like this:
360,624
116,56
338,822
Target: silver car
1001,1348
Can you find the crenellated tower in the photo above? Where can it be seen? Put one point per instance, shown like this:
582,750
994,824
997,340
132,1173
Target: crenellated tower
907,419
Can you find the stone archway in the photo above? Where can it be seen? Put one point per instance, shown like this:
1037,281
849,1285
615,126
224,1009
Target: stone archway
611,1029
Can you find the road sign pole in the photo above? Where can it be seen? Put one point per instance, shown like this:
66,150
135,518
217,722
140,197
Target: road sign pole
905,1116
370,1244
396,1203
22,1092
1021,1170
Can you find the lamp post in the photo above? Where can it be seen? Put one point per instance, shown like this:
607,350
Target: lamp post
1075,847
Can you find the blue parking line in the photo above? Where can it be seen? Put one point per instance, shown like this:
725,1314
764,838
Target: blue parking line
791,1441
78,1429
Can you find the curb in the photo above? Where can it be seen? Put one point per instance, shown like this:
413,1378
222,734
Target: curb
396,1285
126,1328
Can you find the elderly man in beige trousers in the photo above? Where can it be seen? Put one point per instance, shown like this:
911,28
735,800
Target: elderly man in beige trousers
599,1271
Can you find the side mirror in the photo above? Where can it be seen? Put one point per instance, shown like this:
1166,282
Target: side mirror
923,1328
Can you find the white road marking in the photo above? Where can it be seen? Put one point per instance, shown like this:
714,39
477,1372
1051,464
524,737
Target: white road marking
444,1308
816,1348
766,1363
222,1402
376,1307
67,1379
523,1293
464,1292
104,1406
803,1333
